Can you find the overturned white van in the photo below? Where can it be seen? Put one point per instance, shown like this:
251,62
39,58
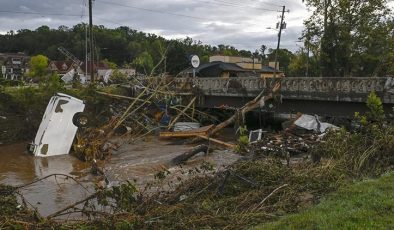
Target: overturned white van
62,117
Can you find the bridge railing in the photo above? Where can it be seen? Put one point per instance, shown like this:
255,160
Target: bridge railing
327,89
334,84
226,86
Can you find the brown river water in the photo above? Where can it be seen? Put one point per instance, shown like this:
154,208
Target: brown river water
137,162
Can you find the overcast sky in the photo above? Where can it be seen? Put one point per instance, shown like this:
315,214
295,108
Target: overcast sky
240,23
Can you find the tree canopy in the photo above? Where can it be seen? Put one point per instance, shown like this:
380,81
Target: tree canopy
122,46
38,66
351,37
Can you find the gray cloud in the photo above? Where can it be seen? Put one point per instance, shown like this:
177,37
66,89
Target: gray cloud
241,24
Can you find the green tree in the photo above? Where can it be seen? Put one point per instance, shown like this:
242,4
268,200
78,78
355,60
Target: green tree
118,77
145,62
111,65
121,46
300,66
284,58
354,37
38,67
262,50
375,106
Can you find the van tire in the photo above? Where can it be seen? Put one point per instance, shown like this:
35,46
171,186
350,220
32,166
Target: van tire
80,120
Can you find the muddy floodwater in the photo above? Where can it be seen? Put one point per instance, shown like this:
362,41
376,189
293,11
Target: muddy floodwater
137,162
17,167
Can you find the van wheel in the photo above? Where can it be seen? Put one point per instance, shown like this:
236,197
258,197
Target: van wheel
80,120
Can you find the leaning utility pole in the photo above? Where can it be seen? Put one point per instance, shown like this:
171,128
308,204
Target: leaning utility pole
279,36
92,77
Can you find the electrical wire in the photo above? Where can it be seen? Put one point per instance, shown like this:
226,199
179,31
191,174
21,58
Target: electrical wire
169,13
234,4
134,7
258,2
237,6
38,13
122,5
152,10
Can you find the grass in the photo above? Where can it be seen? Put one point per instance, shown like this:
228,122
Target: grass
363,205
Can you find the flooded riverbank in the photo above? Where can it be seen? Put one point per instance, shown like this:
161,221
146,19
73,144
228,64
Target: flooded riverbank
17,167
138,162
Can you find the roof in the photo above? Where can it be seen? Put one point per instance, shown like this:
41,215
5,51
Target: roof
101,65
65,66
214,69
269,69
8,55
61,66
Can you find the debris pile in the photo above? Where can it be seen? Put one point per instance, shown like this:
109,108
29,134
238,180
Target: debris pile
151,105
154,105
284,144
256,189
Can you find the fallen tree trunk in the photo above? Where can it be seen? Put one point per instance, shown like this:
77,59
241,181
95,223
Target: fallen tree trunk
251,105
189,154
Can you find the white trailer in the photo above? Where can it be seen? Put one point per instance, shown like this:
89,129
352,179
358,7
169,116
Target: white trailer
59,125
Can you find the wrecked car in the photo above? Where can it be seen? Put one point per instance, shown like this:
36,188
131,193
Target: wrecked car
62,117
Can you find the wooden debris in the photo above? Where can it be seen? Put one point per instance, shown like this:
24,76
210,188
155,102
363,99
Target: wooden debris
229,145
203,131
251,105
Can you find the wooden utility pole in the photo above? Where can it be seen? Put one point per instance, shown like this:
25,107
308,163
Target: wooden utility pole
307,43
279,36
92,77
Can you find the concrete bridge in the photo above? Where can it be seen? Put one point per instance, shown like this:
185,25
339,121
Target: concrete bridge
334,96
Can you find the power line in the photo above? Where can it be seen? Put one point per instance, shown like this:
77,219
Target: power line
246,44
258,2
169,13
38,13
122,5
234,4
237,6
153,11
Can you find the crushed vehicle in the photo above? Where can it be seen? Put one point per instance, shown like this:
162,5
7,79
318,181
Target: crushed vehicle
59,125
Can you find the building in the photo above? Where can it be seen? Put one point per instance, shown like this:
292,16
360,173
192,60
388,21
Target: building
244,62
269,72
217,69
230,66
61,67
253,65
14,65
64,67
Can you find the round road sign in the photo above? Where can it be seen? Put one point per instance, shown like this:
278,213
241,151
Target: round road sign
195,60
